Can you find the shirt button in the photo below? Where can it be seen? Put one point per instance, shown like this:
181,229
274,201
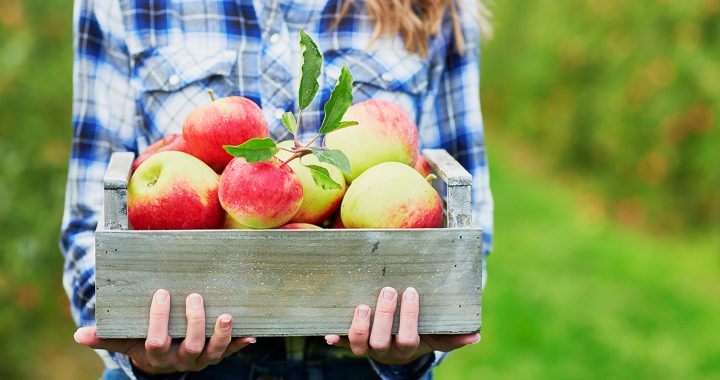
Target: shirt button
174,80
274,38
278,113
386,77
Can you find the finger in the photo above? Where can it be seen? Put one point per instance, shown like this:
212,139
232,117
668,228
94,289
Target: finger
359,332
219,341
87,336
157,343
238,344
380,337
407,339
337,340
447,343
194,342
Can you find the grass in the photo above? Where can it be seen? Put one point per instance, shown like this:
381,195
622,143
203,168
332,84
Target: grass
575,296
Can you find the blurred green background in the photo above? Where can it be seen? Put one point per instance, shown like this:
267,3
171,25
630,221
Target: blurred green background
602,128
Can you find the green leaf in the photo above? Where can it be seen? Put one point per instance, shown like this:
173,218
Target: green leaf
333,157
310,72
288,120
254,150
345,124
340,100
322,178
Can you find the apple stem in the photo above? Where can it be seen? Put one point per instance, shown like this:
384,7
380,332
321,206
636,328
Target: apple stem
312,141
431,177
296,154
212,94
297,130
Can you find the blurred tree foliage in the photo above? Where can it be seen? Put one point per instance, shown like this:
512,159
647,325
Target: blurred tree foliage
35,112
627,92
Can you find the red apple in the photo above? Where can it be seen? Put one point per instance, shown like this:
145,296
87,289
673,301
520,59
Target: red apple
385,132
226,121
170,142
232,224
300,226
261,194
174,191
421,165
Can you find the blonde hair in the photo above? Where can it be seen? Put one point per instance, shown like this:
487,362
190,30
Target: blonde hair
417,20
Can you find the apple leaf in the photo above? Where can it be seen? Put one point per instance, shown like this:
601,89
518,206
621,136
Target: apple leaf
310,72
345,124
333,157
288,120
322,178
340,100
254,150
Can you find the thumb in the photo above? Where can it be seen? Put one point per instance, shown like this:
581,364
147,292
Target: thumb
336,340
87,336
448,342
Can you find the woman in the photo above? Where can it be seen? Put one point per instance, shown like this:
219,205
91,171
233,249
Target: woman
141,66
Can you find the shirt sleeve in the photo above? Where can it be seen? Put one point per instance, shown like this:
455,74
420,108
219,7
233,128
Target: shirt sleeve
102,122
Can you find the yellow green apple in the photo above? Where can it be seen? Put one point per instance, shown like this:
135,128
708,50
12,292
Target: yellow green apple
318,203
385,133
391,195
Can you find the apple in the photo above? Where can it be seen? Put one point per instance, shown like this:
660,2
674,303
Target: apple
174,191
170,142
421,165
385,132
391,195
260,195
300,226
226,121
232,224
338,223
318,203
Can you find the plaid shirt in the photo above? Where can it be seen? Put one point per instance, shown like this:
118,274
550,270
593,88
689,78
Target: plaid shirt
141,66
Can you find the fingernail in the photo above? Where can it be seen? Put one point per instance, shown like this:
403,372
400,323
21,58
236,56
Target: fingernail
410,294
328,342
477,340
363,312
389,294
253,340
225,322
161,297
195,301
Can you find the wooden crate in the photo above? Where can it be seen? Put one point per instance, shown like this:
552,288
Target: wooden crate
288,282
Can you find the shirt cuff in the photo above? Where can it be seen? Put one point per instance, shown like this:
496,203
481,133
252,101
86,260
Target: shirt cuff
419,369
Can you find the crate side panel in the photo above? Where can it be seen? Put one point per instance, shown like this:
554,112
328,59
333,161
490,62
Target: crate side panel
287,283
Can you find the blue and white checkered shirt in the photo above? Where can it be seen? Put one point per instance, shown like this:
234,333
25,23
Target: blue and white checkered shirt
141,66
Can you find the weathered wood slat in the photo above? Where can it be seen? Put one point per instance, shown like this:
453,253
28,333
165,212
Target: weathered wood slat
116,181
286,283
458,190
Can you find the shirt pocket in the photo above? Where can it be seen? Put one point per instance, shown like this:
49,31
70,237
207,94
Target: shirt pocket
403,82
174,80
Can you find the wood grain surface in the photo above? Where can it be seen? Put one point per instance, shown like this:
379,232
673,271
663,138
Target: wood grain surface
286,282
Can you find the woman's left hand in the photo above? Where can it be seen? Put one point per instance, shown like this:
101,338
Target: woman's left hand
407,345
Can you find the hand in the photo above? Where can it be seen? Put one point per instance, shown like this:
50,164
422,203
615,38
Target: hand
158,353
407,346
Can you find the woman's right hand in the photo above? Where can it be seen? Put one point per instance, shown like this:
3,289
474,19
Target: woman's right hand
158,353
